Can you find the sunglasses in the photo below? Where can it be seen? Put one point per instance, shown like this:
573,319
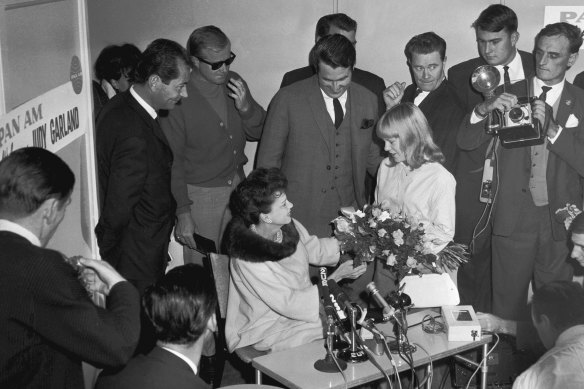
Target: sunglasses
218,65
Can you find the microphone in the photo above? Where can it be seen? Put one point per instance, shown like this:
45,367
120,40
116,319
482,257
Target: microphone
388,310
339,297
323,290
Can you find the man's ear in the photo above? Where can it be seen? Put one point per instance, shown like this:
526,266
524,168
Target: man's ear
49,210
154,81
115,84
572,59
195,61
514,38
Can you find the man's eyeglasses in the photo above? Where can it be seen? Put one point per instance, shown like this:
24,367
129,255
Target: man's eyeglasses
218,65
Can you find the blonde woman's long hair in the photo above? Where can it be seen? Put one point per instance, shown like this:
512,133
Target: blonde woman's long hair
407,122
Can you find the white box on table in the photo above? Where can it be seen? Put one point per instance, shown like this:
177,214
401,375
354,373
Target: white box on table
461,323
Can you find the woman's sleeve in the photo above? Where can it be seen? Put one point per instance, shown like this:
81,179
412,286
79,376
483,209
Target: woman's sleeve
442,216
321,251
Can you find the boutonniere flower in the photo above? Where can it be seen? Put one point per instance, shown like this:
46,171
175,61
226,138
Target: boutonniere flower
568,102
572,121
367,123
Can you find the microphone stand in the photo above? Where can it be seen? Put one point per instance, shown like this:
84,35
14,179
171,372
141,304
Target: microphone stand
329,364
354,353
400,328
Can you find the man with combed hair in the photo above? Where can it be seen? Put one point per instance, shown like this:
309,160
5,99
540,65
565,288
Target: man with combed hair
207,134
319,131
49,323
431,92
497,36
339,23
181,307
557,312
134,164
533,182
579,80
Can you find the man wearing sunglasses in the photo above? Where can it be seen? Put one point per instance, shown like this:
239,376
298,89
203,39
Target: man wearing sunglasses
207,134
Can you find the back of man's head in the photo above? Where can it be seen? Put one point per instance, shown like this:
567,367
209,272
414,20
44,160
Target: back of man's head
333,50
339,20
562,302
207,37
567,30
425,43
115,61
29,177
495,18
181,304
162,58
577,226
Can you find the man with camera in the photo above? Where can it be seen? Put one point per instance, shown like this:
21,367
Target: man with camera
531,183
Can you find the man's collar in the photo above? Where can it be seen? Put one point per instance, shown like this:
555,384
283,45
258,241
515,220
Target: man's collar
151,111
7,225
183,357
342,98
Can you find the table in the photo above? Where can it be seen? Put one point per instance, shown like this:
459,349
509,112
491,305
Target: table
294,367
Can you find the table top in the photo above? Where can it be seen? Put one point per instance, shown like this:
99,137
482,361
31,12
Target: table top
295,367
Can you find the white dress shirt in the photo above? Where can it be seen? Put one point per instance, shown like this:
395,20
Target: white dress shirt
560,367
151,111
328,101
6,225
425,194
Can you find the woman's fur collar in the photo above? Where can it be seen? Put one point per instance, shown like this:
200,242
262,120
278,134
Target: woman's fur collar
247,245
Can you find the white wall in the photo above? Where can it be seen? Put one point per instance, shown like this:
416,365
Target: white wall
271,37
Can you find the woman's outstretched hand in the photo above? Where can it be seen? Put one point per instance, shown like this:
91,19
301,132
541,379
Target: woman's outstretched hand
346,270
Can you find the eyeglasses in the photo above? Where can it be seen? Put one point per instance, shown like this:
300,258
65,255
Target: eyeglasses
218,65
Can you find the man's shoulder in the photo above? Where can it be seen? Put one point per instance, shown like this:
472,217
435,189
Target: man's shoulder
296,75
579,80
369,80
465,67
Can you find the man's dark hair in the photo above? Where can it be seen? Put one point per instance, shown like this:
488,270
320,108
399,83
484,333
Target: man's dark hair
333,50
29,177
180,304
115,61
577,226
340,21
161,57
256,194
495,18
570,31
562,302
204,38
425,43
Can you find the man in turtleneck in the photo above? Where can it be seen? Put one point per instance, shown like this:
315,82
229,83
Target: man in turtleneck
207,135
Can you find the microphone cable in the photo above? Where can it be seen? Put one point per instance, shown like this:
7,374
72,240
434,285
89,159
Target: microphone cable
372,359
484,360
329,345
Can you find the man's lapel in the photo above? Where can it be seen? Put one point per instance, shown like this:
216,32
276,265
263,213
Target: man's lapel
319,112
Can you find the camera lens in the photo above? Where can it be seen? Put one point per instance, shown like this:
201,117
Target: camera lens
516,115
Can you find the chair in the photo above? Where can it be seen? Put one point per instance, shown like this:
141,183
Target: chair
217,266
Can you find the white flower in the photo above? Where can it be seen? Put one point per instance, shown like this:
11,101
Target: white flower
359,213
411,262
391,260
382,232
398,237
343,225
376,212
383,216
372,223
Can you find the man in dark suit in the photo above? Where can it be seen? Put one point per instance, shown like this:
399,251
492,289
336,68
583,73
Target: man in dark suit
49,323
134,164
579,80
181,306
339,23
533,182
319,132
497,36
426,55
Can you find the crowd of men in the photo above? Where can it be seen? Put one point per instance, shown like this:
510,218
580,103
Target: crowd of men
170,149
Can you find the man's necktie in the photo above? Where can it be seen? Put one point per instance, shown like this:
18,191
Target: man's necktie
417,92
338,113
544,92
506,77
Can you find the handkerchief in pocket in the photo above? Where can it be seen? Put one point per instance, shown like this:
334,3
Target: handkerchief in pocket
572,121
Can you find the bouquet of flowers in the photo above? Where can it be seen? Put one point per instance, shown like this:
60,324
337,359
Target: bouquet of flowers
398,241
567,214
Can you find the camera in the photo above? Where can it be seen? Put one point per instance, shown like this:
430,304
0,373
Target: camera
520,115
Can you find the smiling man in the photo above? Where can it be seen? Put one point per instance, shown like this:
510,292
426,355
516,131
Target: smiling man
134,162
431,92
319,132
535,181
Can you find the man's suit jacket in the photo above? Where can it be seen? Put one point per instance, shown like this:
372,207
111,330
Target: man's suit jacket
564,171
137,208
296,139
159,369
362,77
444,114
49,323
579,80
469,170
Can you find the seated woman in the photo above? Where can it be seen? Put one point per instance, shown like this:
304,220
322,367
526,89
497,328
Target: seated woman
272,303
412,180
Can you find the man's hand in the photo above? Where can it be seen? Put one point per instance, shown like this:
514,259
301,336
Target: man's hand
495,324
540,110
184,230
240,94
99,276
393,94
346,270
503,102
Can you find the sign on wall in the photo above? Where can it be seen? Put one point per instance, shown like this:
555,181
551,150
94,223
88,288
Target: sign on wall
568,14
